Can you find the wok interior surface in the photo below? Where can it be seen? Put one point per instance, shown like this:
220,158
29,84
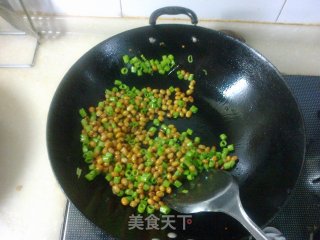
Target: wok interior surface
238,92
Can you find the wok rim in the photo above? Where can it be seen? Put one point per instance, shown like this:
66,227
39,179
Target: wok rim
245,45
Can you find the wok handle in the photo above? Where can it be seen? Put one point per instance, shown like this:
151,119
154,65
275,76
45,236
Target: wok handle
235,209
172,10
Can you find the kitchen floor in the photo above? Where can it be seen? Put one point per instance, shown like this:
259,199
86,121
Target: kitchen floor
31,202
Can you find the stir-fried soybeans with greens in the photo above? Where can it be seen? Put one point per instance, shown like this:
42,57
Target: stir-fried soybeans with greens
125,139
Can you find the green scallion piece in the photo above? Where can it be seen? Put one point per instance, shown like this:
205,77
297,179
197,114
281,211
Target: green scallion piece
85,148
180,76
128,173
148,163
146,187
177,173
152,129
120,193
126,59
191,76
211,164
133,69
153,180
232,163
145,177
134,124
116,180
78,172
84,139
107,157
164,127
225,151
230,147
175,115
129,192
109,110
193,109
165,209
119,104
197,140
93,117
160,151
82,113
190,59
134,60
156,122
111,99
190,177
223,136
181,103
142,206
223,143
205,72
177,183
117,168
88,156
124,70
143,57
165,165
150,209
189,131
91,175
108,177
166,183
161,71
101,144
129,166
168,131
226,165
134,195
117,82
123,87
171,142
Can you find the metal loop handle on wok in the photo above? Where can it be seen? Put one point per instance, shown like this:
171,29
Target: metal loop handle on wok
172,10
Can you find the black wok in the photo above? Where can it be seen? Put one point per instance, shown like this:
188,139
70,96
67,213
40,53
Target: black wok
238,92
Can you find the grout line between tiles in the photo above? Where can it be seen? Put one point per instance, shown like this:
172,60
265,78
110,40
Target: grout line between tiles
204,20
285,1
121,12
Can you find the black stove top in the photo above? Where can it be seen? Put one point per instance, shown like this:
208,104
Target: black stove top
299,219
